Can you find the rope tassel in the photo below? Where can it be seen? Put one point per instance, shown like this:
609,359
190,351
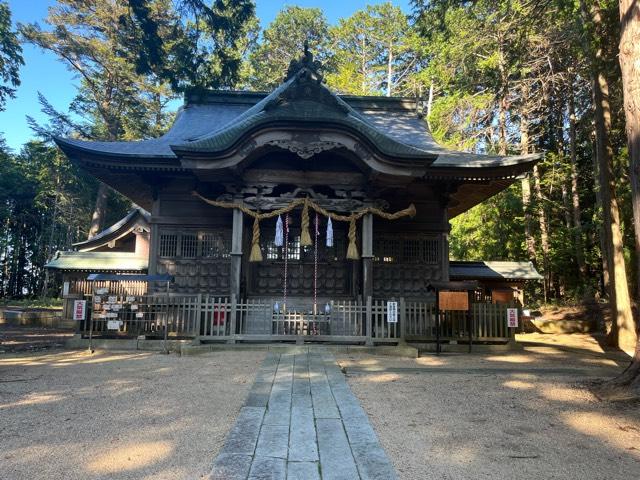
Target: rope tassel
256,253
352,250
305,238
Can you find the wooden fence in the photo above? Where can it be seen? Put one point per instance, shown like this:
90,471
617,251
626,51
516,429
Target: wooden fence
207,318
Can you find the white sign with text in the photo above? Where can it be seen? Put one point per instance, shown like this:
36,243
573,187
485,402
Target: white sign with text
392,312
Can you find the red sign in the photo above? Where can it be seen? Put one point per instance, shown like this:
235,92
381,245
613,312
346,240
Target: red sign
79,309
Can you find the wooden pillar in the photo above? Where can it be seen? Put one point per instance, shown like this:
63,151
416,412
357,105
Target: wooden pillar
236,253
154,240
367,256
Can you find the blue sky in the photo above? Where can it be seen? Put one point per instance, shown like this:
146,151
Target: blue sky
44,73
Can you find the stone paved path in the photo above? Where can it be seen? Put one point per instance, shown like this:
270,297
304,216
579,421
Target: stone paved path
301,422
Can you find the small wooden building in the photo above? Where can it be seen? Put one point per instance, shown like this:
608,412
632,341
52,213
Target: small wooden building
121,248
232,159
499,281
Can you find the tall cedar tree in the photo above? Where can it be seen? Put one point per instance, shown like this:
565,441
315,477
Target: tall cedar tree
629,58
115,102
10,57
203,47
282,41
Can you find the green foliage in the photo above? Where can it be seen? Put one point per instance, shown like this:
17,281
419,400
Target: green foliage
376,52
194,46
493,230
114,101
45,206
282,41
10,57
504,68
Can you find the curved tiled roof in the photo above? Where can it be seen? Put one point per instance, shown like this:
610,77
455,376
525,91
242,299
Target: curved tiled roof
121,227
214,121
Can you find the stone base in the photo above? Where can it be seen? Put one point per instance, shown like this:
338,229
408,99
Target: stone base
399,351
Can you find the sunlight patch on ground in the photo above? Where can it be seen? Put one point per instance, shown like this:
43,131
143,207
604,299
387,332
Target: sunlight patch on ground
430,361
616,432
605,362
559,393
129,456
351,361
510,358
518,385
462,455
68,358
34,399
383,378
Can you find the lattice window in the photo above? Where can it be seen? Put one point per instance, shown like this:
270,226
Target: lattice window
189,245
296,252
406,250
387,250
168,245
431,251
412,250
215,245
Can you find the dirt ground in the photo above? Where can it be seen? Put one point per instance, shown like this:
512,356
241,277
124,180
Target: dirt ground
67,415
20,338
519,415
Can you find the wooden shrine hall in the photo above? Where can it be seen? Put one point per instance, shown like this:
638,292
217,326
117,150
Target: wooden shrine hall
299,197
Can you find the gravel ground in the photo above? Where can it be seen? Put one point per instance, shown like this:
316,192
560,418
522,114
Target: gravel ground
520,415
70,415
20,338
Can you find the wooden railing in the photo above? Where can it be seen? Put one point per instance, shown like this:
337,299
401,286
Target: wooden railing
488,323
208,318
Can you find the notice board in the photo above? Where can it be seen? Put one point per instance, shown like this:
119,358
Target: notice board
448,301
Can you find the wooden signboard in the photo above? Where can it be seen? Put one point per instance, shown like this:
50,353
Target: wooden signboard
502,296
448,301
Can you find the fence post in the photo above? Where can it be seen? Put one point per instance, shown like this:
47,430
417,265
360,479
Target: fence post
198,319
232,318
369,317
403,320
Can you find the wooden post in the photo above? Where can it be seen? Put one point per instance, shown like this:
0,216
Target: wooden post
232,319
403,320
470,319
166,321
154,240
367,255
437,322
236,253
93,296
369,314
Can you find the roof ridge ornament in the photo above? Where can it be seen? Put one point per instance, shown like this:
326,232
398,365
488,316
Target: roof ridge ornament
306,62
305,83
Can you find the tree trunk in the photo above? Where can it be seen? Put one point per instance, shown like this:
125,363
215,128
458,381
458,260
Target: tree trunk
526,192
99,211
622,327
389,69
567,205
601,233
629,58
575,197
544,229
